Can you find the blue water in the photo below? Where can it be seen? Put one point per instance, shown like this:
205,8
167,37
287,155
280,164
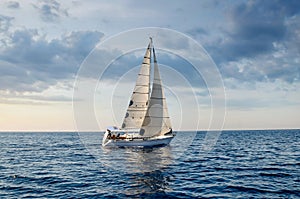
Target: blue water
242,164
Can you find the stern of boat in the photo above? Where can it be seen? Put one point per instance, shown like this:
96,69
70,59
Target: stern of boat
105,139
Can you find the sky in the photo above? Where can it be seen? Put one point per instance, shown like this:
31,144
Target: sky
254,45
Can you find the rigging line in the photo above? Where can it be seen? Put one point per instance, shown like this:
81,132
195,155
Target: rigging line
136,92
157,98
157,116
142,85
143,74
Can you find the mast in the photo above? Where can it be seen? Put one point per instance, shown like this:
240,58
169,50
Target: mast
140,97
157,121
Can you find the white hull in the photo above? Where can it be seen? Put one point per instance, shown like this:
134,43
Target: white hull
151,142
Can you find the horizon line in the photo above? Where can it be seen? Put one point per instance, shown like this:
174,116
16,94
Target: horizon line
96,131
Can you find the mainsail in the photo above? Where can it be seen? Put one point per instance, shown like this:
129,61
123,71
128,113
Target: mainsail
138,104
157,121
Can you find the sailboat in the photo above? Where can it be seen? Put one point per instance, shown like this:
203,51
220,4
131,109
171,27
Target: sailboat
146,122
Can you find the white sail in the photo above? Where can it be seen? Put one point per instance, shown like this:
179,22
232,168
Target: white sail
139,100
157,121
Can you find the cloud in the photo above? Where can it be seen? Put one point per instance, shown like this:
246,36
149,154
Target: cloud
266,95
30,62
13,5
264,68
5,24
256,25
259,43
23,98
293,35
198,31
50,10
170,66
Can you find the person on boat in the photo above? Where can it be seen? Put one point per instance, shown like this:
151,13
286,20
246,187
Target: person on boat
109,133
170,131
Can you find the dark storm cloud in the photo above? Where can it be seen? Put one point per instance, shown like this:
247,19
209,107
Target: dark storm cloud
31,63
263,39
50,10
256,26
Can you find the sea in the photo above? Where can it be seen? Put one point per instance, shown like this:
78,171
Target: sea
236,164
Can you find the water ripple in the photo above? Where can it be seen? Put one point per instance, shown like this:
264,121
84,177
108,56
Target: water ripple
243,164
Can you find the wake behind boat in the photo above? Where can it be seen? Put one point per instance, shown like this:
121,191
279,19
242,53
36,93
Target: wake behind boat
146,121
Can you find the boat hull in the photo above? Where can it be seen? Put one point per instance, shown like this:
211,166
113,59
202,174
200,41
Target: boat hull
151,142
